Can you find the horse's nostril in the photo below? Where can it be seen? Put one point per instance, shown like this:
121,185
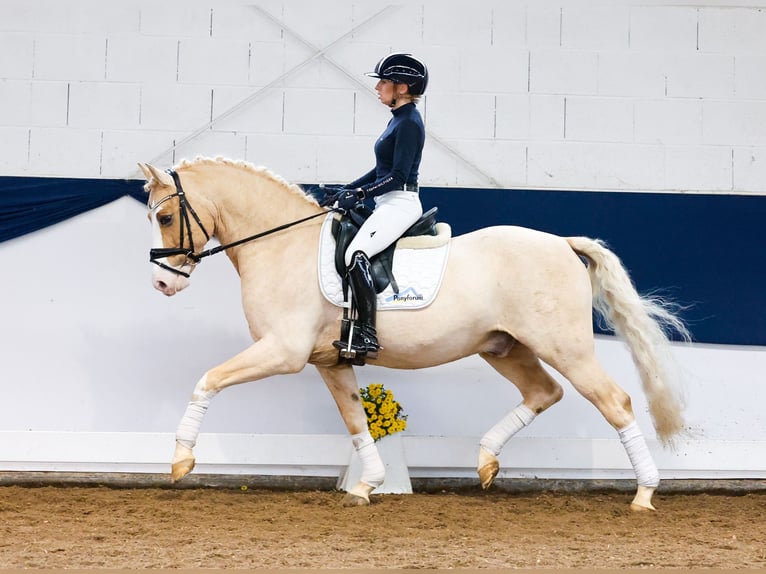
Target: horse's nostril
161,285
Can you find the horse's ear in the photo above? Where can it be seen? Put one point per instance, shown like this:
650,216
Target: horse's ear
145,171
151,172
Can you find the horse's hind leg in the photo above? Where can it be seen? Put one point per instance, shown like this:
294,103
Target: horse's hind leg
341,381
590,379
538,390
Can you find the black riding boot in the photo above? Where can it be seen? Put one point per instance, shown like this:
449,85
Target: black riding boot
364,340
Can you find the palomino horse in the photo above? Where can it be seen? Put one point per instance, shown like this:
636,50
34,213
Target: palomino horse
537,292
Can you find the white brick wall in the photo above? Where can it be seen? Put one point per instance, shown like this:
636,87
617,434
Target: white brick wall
657,96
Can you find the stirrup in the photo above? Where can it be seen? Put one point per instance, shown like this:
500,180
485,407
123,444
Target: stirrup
353,348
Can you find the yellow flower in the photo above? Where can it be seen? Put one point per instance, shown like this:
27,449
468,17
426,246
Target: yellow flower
384,414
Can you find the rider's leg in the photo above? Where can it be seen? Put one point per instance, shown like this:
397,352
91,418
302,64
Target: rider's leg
364,339
394,213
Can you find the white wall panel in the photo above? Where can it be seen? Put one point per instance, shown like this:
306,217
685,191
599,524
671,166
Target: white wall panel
371,117
141,59
700,75
21,47
749,167
508,157
191,19
292,156
548,51
663,28
65,152
235,21
267,62
462,116
631,74
734,122
320,22
104,105
668,121
749,79
406,18
595,28
213,61
342,159
263,112
599,119
529,117
461,20
698,168
509,25
122,150
70,57
439,166
732,29
543,25
595,165
213,144
175,106
494,70
563,72
14,151
319,112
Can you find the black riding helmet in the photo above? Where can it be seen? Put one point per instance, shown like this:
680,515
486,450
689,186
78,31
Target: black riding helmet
403,68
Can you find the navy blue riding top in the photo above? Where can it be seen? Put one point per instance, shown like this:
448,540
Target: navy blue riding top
397,154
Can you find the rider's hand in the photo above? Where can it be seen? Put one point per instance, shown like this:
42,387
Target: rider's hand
346,199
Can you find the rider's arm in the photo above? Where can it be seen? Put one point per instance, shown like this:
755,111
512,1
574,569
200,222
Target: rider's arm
368,177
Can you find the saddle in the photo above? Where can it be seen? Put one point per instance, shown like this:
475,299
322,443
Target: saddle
345,229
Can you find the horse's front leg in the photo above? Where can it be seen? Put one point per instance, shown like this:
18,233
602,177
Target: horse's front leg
342,384
265,358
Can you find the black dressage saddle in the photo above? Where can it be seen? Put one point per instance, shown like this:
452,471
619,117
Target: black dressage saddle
345,228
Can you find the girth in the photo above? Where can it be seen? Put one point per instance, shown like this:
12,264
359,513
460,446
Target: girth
345,228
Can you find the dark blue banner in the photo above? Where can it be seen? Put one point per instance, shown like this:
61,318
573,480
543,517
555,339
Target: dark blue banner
31,203
704,251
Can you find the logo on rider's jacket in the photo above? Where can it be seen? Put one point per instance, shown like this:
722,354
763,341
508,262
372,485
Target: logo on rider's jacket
407,296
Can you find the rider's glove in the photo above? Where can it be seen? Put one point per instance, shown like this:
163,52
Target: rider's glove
346,199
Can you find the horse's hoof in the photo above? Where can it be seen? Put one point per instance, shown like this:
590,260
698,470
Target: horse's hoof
181,469
487,474
643,500
354,500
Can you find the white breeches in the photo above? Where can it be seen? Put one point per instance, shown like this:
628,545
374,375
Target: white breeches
394,213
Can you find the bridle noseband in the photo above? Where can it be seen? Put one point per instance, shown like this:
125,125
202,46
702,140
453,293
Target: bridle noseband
185,208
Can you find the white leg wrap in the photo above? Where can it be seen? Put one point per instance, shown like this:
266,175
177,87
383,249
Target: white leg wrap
188,428
501,433
373,470
639,455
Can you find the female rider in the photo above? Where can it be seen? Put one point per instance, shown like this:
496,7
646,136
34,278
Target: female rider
393,183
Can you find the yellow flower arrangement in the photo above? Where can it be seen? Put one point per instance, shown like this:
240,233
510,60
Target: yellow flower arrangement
384,414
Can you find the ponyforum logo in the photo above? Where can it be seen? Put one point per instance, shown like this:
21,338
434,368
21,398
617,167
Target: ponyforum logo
409,295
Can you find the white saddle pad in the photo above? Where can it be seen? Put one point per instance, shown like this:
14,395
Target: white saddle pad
419,264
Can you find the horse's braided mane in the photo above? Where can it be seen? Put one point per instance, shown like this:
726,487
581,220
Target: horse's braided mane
246,165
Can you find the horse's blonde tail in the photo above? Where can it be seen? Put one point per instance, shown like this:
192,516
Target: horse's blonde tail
643,322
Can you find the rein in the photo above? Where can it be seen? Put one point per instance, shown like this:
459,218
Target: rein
185,208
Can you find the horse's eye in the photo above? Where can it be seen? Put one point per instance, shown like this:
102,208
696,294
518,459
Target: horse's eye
164,220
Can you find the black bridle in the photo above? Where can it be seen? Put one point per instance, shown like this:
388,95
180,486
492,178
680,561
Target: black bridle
185,208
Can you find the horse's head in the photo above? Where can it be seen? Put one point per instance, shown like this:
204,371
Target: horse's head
178,231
